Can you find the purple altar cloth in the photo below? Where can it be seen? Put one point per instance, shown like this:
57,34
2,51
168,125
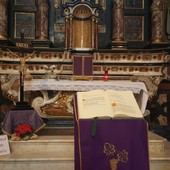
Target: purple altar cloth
120,142
16,117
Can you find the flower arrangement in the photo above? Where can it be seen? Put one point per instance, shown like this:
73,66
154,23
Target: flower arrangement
23,132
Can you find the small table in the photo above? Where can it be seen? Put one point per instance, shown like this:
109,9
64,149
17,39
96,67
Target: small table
15,117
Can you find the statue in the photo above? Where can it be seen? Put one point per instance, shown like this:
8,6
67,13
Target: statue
22,59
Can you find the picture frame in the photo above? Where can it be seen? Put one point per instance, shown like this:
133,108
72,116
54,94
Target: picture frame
139,4
25,2
24,22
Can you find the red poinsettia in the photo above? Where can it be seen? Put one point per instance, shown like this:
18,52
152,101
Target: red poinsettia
23,131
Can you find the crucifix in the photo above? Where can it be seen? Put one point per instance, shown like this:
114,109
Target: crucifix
22,57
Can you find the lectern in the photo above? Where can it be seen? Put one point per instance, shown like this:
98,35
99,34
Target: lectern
110,144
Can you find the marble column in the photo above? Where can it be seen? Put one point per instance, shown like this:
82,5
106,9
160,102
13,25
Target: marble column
42,20
3,19
158,21
118,24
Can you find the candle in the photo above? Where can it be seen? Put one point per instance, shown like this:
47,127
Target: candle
106,75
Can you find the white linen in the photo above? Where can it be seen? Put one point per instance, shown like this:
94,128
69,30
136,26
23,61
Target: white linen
69,85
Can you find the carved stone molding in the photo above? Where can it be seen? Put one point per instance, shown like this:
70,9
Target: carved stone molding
150,82
10,86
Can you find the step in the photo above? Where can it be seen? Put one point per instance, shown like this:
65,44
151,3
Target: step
56,151
47,139
56,144
62,141
156,142
46,152
39,161
160,160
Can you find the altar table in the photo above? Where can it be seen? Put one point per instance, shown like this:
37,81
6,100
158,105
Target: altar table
68,85
15,117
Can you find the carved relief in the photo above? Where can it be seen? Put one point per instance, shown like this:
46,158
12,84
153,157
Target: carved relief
150,82
82,11
10,86
125,63
132,57
58,105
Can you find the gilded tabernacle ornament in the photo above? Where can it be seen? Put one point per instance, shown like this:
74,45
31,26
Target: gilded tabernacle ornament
115,156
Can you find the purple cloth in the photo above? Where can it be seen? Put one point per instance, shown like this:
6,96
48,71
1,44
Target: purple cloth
122,140
83,65
16,117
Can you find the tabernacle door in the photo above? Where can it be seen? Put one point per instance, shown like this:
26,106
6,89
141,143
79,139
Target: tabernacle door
83,66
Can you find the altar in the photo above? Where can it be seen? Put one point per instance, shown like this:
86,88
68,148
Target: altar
44,85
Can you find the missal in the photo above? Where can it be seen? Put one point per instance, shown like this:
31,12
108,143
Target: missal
109,103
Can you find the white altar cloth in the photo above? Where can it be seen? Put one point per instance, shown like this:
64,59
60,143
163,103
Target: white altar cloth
68,85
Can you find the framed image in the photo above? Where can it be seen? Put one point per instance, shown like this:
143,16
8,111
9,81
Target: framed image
25,2
134,28
134,3
24,22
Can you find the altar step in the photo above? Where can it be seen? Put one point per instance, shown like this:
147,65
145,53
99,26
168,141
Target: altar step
55,151
45,153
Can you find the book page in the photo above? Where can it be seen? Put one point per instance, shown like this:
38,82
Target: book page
93,104
123,104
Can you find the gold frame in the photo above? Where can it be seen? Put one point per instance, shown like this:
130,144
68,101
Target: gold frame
142,28
28,4
25,26
134,7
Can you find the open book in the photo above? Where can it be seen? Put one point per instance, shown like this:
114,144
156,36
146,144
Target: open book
109,103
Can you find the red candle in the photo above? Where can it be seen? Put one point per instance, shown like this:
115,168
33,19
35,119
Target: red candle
106,75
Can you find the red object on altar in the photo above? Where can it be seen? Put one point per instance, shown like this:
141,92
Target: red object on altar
106,74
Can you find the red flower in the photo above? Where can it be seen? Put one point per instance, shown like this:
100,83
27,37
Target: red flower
23,130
